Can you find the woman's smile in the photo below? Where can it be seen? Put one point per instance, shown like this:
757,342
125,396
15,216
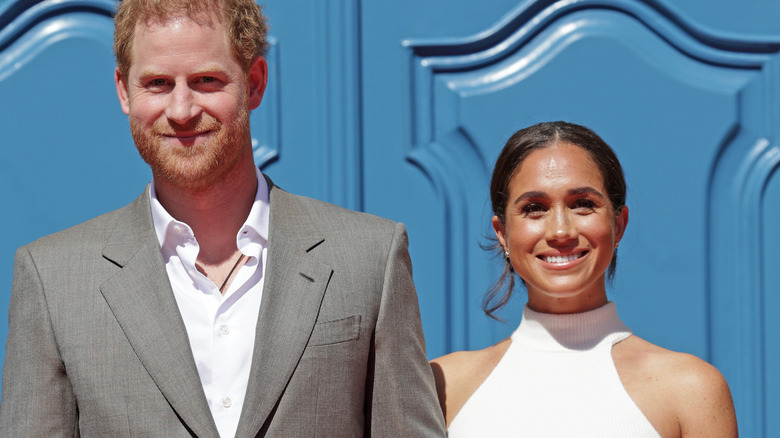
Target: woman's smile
562,260
560,229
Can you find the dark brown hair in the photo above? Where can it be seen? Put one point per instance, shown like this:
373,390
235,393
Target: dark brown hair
516,150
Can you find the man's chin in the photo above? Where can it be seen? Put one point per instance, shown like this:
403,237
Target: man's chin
196,167
189,176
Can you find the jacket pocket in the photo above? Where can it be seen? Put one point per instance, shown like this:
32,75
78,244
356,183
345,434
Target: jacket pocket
334,332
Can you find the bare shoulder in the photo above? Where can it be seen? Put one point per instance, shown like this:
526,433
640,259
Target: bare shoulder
459,374
681,395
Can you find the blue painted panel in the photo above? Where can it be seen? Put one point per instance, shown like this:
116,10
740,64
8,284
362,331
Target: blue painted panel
771,304
746,20
66,147
514,83
315,69
686,108
395,184
737,290
608,51
399,108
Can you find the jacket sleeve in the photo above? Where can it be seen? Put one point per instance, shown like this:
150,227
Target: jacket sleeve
37,398
401,390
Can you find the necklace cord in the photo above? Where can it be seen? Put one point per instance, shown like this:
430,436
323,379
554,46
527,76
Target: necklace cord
241,257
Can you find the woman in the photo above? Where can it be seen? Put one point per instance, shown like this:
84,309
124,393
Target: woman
572,368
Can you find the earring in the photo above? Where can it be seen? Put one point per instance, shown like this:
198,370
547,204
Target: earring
617,244
509,262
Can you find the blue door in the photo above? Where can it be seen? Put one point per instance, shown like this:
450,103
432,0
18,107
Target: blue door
400,108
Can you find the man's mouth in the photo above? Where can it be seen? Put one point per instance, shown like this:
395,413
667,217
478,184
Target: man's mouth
186,135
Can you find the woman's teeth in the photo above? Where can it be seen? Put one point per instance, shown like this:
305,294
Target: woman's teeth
562,259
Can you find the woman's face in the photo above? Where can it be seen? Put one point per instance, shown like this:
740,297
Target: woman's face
560,229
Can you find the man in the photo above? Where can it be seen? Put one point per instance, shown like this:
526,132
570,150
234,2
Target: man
216,304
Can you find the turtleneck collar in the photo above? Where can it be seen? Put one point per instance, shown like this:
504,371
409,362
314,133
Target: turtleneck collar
570,332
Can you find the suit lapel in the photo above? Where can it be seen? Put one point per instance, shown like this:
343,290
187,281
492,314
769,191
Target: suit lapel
294,286
142,301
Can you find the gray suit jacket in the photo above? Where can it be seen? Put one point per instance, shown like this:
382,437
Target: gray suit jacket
97,346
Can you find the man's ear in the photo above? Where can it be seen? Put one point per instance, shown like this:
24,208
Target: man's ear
500,231
257,78
121,91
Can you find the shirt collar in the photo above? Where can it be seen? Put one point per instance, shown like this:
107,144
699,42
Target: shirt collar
255,228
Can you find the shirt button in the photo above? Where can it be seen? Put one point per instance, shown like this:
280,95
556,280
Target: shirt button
224,329
226,402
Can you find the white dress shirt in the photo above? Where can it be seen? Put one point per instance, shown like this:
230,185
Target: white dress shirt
221,328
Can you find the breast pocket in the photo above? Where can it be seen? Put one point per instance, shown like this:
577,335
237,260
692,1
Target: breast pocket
335,332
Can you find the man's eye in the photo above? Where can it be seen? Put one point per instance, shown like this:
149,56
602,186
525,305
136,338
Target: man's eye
157,82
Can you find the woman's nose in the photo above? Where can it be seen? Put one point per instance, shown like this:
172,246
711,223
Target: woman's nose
561,226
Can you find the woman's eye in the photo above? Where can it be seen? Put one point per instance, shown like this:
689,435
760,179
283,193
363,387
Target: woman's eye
533,209
584,204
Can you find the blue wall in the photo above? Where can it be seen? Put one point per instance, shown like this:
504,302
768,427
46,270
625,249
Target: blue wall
400,108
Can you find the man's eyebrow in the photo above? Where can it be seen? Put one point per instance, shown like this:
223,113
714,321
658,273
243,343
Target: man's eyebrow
208,68
150,71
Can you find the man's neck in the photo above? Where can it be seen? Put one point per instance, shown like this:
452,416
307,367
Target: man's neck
214,213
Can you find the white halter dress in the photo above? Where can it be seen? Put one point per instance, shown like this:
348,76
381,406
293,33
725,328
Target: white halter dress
556,379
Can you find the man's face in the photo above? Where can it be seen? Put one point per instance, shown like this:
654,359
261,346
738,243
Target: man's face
189,100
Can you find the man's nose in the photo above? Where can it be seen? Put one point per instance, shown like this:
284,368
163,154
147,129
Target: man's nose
182,106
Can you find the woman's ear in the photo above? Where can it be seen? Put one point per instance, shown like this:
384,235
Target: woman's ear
621,221
500,231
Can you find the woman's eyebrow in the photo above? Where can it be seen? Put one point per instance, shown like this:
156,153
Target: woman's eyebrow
585,190
532,194
543,195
